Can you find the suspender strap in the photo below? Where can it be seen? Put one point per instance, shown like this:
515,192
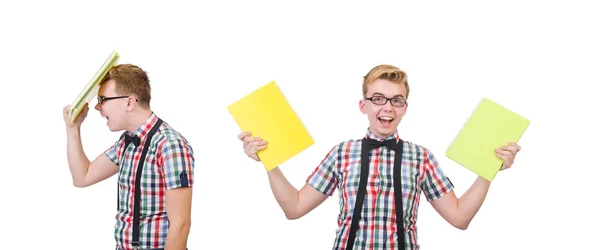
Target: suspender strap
138,177
360,196
398,195
137,191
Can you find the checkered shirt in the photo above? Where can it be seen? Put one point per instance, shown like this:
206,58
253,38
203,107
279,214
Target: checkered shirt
169,164
377,228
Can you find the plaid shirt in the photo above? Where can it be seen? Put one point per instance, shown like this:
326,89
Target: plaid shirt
169,164
377,228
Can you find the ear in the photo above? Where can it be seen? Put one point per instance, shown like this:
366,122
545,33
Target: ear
361,106
131,103
404,108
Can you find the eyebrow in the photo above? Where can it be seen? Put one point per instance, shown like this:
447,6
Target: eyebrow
377,93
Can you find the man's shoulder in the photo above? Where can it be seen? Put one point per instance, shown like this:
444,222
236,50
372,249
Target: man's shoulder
348,143
167,134
414,145
419,149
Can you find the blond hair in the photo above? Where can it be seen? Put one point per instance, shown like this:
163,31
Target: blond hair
386,72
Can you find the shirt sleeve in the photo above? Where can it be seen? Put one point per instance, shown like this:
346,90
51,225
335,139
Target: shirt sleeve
111,153
177,164
324,178
435,184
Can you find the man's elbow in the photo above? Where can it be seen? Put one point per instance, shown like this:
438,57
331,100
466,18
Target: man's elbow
79,184
461,224
181,226
292,215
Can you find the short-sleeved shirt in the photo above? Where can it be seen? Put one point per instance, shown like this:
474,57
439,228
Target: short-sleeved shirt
169,164
340,169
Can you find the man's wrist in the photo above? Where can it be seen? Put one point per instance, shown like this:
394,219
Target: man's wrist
73,129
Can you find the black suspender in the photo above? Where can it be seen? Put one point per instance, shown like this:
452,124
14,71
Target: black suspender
360,196
137,191
398,195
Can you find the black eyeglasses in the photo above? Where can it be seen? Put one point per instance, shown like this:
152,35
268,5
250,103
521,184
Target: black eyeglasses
102,99
381,100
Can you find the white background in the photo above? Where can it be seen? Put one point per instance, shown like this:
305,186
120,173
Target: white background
538,58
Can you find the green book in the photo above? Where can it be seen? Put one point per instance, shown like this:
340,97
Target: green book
490,126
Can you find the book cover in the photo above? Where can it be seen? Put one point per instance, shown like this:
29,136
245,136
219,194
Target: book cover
267,114
91,89
490,126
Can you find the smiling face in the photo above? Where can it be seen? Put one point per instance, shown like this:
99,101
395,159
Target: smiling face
384,118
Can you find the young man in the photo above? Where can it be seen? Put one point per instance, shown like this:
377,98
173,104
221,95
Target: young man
155,164
368,174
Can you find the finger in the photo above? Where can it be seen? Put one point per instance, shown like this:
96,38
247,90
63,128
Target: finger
505,152
255,144
259,148
507,162
247,147
254,150
516,146
251,152
251,139
248,140
511,146
243,135
504,158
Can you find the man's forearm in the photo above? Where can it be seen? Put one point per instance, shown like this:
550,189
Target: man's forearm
78,161
470,202
285,193
177,237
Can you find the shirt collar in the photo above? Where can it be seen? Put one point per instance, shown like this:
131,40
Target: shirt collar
143,129
371,135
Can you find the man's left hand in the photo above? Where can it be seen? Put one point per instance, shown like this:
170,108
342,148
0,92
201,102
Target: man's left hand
508,153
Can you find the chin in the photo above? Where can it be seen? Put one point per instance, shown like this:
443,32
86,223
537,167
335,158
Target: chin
383,132
111,128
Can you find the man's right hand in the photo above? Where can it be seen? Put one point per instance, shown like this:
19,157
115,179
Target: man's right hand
78,121
252,144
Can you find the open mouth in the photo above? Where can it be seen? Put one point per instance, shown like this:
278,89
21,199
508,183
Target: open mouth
385,120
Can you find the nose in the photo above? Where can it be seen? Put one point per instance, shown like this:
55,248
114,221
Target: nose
388,106
97,107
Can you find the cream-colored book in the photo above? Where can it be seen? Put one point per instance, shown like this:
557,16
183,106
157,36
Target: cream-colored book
91,90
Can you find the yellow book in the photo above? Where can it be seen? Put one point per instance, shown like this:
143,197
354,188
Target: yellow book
267,114
91,89
490,126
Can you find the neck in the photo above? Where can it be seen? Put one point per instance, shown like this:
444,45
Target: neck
383,136
137,118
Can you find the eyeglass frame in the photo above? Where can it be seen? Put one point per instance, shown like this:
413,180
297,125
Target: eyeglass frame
102,99
386,100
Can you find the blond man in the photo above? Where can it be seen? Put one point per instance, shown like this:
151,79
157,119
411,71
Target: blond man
368,173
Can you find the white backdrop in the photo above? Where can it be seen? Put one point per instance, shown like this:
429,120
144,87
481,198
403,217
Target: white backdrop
538,58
